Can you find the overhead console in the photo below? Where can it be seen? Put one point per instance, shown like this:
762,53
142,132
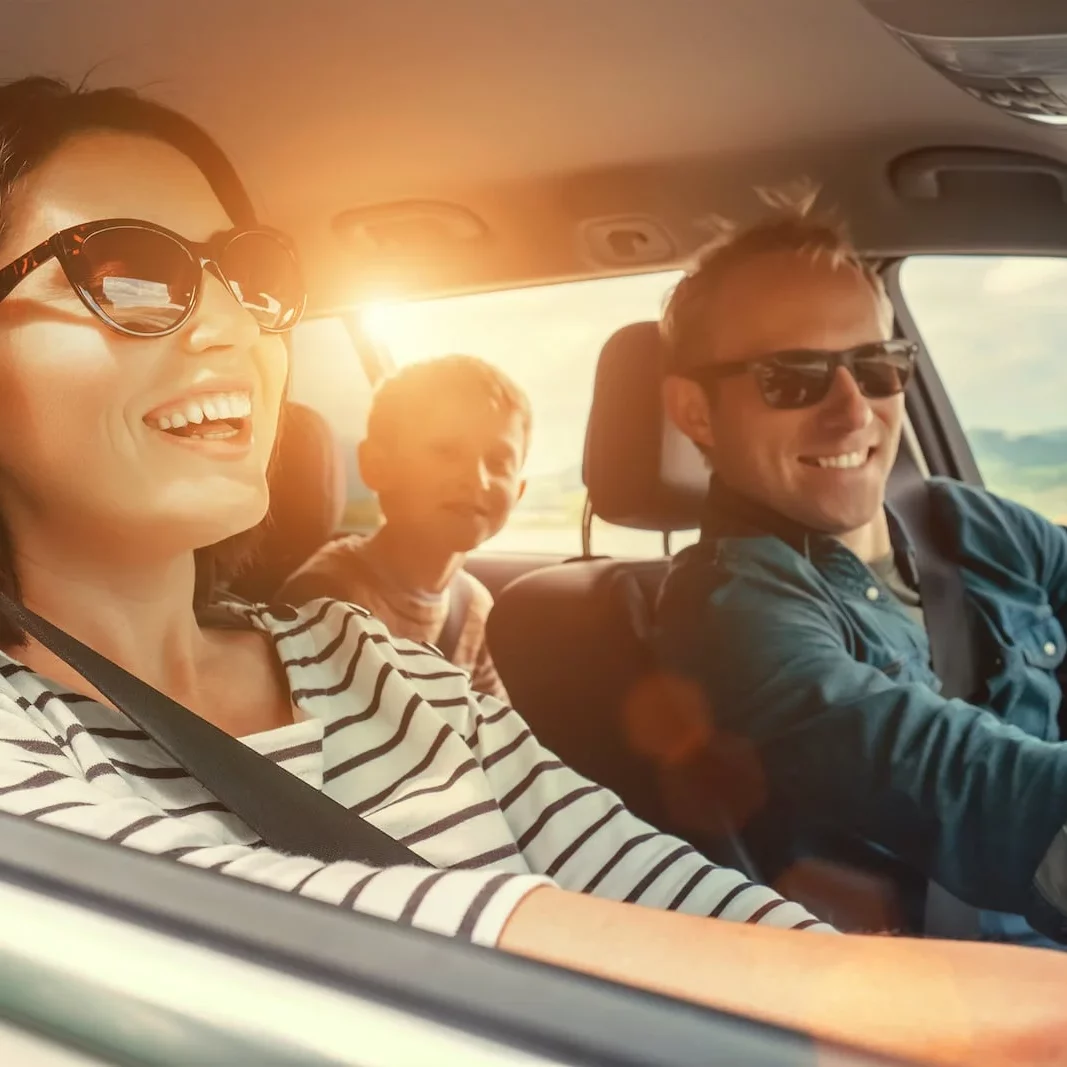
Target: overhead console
1011,54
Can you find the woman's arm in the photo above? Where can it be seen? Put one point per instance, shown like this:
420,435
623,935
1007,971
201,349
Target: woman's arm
933,1001
927,999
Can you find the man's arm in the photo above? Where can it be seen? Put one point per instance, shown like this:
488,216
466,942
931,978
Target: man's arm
975,803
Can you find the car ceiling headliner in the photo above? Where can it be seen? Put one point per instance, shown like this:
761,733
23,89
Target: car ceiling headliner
537,116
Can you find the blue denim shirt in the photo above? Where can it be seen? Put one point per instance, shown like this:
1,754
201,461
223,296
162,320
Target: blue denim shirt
801,650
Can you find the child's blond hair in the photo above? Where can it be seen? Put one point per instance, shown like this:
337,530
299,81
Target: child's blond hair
399,396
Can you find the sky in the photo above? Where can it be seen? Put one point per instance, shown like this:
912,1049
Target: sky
996,329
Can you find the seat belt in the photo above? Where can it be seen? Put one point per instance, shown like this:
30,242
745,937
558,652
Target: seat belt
953,652
288,814
459,602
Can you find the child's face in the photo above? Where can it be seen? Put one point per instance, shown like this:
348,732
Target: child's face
453,475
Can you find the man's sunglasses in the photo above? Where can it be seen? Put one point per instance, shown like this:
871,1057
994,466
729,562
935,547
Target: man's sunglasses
803,378
143,280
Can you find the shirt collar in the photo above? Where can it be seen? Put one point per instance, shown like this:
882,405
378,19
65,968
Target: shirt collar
728,513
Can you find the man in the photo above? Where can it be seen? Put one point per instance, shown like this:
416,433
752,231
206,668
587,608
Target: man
799,611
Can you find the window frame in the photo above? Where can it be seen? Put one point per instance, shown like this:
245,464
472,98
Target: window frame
935,423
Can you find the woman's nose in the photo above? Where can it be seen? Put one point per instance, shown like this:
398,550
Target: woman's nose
219,320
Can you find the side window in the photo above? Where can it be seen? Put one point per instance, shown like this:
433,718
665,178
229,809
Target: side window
996,329
548,339
326,374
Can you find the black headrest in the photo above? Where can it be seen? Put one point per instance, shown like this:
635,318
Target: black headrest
640,470
307,499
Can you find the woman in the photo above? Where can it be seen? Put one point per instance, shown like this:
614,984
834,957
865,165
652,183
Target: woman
142,368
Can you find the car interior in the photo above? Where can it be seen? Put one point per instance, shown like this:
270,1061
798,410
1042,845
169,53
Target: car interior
421,151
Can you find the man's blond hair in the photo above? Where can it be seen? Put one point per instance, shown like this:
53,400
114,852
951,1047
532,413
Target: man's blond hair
399,398
791,226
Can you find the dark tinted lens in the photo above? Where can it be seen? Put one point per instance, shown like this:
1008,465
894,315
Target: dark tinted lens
794,381
883,371
142,280
264,276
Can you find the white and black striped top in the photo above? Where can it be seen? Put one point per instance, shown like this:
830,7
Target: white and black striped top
391,730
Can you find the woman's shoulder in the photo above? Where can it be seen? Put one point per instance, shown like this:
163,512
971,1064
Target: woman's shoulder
329,633
343,665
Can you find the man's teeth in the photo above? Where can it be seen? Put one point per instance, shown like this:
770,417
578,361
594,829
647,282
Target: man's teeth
844,462
213,408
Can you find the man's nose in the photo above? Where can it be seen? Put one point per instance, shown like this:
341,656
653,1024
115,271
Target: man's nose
845,407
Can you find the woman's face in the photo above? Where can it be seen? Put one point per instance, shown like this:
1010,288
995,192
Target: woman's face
82,455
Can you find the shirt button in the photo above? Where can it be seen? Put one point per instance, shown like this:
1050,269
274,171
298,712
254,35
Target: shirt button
1050,648
872,593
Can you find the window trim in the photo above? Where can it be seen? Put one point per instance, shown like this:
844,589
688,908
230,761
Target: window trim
933,418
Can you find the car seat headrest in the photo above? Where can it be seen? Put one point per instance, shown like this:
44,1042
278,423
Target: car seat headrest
307,499
640,470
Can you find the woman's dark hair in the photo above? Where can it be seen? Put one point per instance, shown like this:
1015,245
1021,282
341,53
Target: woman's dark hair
37,115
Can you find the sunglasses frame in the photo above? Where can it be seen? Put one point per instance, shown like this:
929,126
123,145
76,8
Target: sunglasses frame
66,245
847,358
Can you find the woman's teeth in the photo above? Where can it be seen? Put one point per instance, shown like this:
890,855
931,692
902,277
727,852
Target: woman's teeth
213,408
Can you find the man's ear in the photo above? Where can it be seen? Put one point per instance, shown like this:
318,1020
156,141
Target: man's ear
687,406
372,465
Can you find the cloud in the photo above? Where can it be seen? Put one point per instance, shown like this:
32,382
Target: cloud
1018,275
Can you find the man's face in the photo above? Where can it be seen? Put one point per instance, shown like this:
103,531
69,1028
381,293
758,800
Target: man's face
824,466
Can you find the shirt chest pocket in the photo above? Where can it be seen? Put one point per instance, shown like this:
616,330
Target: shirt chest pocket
1043,644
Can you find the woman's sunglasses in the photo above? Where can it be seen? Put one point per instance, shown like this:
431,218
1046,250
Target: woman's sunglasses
802,379
143,280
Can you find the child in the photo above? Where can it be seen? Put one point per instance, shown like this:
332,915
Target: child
445,446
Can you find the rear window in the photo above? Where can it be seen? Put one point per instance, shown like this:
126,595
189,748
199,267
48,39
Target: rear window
548,338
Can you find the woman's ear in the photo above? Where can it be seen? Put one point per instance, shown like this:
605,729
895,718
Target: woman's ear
688,407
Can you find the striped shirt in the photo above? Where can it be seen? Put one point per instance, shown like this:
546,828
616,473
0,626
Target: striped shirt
394,732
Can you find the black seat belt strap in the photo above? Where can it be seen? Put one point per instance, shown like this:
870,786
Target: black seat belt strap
953,651
288,814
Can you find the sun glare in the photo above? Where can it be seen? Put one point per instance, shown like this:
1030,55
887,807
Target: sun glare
379,319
